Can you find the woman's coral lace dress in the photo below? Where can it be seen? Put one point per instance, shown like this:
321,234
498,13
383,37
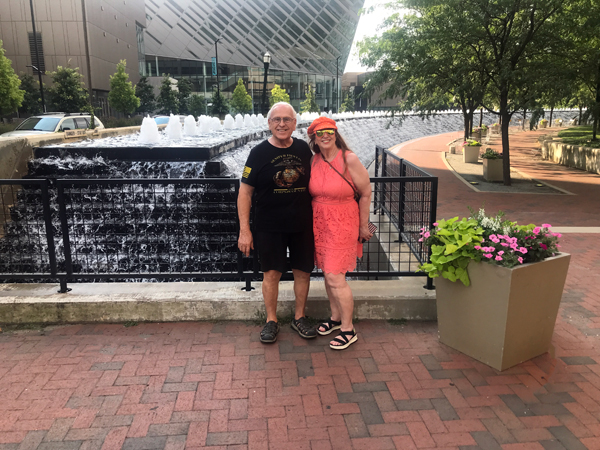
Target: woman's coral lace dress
335,217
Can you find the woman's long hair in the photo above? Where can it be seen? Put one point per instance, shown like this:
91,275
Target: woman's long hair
339,142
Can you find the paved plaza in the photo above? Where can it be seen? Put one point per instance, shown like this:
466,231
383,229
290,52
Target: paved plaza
214,385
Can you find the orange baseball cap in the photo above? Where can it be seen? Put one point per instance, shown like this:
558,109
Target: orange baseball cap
322,123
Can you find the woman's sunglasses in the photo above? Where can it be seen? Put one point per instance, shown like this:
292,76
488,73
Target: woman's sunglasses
320,133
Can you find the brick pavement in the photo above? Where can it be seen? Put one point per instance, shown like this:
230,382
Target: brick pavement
215,386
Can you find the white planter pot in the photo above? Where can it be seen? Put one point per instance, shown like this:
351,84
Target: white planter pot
492,169
506,316
471,153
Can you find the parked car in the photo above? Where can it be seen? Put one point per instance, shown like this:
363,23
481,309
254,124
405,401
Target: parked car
52,123
161,120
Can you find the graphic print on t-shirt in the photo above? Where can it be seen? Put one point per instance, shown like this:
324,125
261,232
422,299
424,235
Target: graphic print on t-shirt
291,169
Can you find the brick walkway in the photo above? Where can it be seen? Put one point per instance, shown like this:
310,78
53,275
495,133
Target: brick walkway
203,385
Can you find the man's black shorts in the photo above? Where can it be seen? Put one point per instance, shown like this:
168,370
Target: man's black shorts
272,250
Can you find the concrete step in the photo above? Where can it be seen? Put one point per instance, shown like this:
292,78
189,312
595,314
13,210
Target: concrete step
404,298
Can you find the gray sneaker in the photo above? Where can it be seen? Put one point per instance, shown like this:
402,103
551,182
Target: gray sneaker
304,328
269,332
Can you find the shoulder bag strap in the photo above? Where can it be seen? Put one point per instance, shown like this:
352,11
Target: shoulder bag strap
345,179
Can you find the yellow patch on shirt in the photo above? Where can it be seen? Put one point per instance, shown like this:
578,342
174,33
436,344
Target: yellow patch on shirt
246,172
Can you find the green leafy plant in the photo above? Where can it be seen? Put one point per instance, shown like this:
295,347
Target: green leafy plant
122,93
278,94
484,127
241,102
472,143
544,121
452,248
455,243
491,154
11,96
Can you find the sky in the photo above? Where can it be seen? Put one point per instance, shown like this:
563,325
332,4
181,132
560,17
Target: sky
367,26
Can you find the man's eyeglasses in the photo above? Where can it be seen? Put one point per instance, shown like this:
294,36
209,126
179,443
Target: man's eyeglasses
320,133
285,120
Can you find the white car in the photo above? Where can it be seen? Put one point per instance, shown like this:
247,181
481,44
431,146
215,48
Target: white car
53,122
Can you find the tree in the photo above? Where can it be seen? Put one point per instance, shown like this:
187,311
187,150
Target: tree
278,95
67,93
241,102
11,97
122,93
145,92
32,103
185,87
219,105
197,105
310,104
348,103
494,48
167,102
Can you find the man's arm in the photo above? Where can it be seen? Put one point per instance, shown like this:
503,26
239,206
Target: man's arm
244,202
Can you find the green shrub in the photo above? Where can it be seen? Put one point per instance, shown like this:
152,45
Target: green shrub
114,122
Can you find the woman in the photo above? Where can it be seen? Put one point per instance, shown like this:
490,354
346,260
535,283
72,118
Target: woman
339,222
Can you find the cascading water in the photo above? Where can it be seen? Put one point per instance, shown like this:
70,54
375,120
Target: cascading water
146,220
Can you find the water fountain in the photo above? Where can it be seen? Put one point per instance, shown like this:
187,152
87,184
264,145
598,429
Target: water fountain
174,216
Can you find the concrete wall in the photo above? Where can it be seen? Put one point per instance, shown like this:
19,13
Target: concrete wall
583,158
15,152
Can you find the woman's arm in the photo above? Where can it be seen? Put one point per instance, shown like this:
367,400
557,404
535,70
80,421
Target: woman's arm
360,178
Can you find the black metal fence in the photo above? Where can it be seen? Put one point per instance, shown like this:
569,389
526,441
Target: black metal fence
72,230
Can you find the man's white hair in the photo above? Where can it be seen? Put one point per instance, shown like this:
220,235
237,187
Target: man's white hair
279,104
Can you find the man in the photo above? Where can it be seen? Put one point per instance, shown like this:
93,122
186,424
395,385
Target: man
277,173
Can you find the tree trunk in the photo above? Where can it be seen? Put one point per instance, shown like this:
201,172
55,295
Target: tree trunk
504,122
466,120
480,117
580,115
524,118
596,110
551,112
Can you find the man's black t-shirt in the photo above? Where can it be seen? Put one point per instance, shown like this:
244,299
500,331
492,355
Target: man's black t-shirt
280,180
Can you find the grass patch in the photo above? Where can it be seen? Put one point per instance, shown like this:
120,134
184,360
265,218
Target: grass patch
15,327
131,323
581,136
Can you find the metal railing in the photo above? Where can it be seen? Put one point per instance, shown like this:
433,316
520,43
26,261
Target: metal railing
73,230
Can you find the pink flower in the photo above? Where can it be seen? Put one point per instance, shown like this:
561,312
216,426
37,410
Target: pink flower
514,246
504,244
546,225
477,247
487,255
523,250
520,260
498,258
435,224
544,246
426,235
501,252
492,236
421,240
557,245
536,230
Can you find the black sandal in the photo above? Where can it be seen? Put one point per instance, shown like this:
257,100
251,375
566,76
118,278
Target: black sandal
329,325
343,339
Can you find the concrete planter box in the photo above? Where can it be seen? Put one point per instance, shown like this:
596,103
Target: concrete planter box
471,153
506,316
476,135
484,132
492,169
495,129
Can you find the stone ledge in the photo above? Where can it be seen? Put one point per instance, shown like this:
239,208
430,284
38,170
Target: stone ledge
583,158
169,302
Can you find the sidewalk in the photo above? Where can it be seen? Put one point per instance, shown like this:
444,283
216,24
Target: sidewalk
214,385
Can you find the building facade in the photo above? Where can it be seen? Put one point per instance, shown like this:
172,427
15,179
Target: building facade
211,42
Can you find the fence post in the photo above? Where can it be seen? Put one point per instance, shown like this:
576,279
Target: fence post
64,226
49,229
384,173
402,200
432,220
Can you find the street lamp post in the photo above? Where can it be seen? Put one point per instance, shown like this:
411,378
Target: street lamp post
266,61
217,65
337,81
37,57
